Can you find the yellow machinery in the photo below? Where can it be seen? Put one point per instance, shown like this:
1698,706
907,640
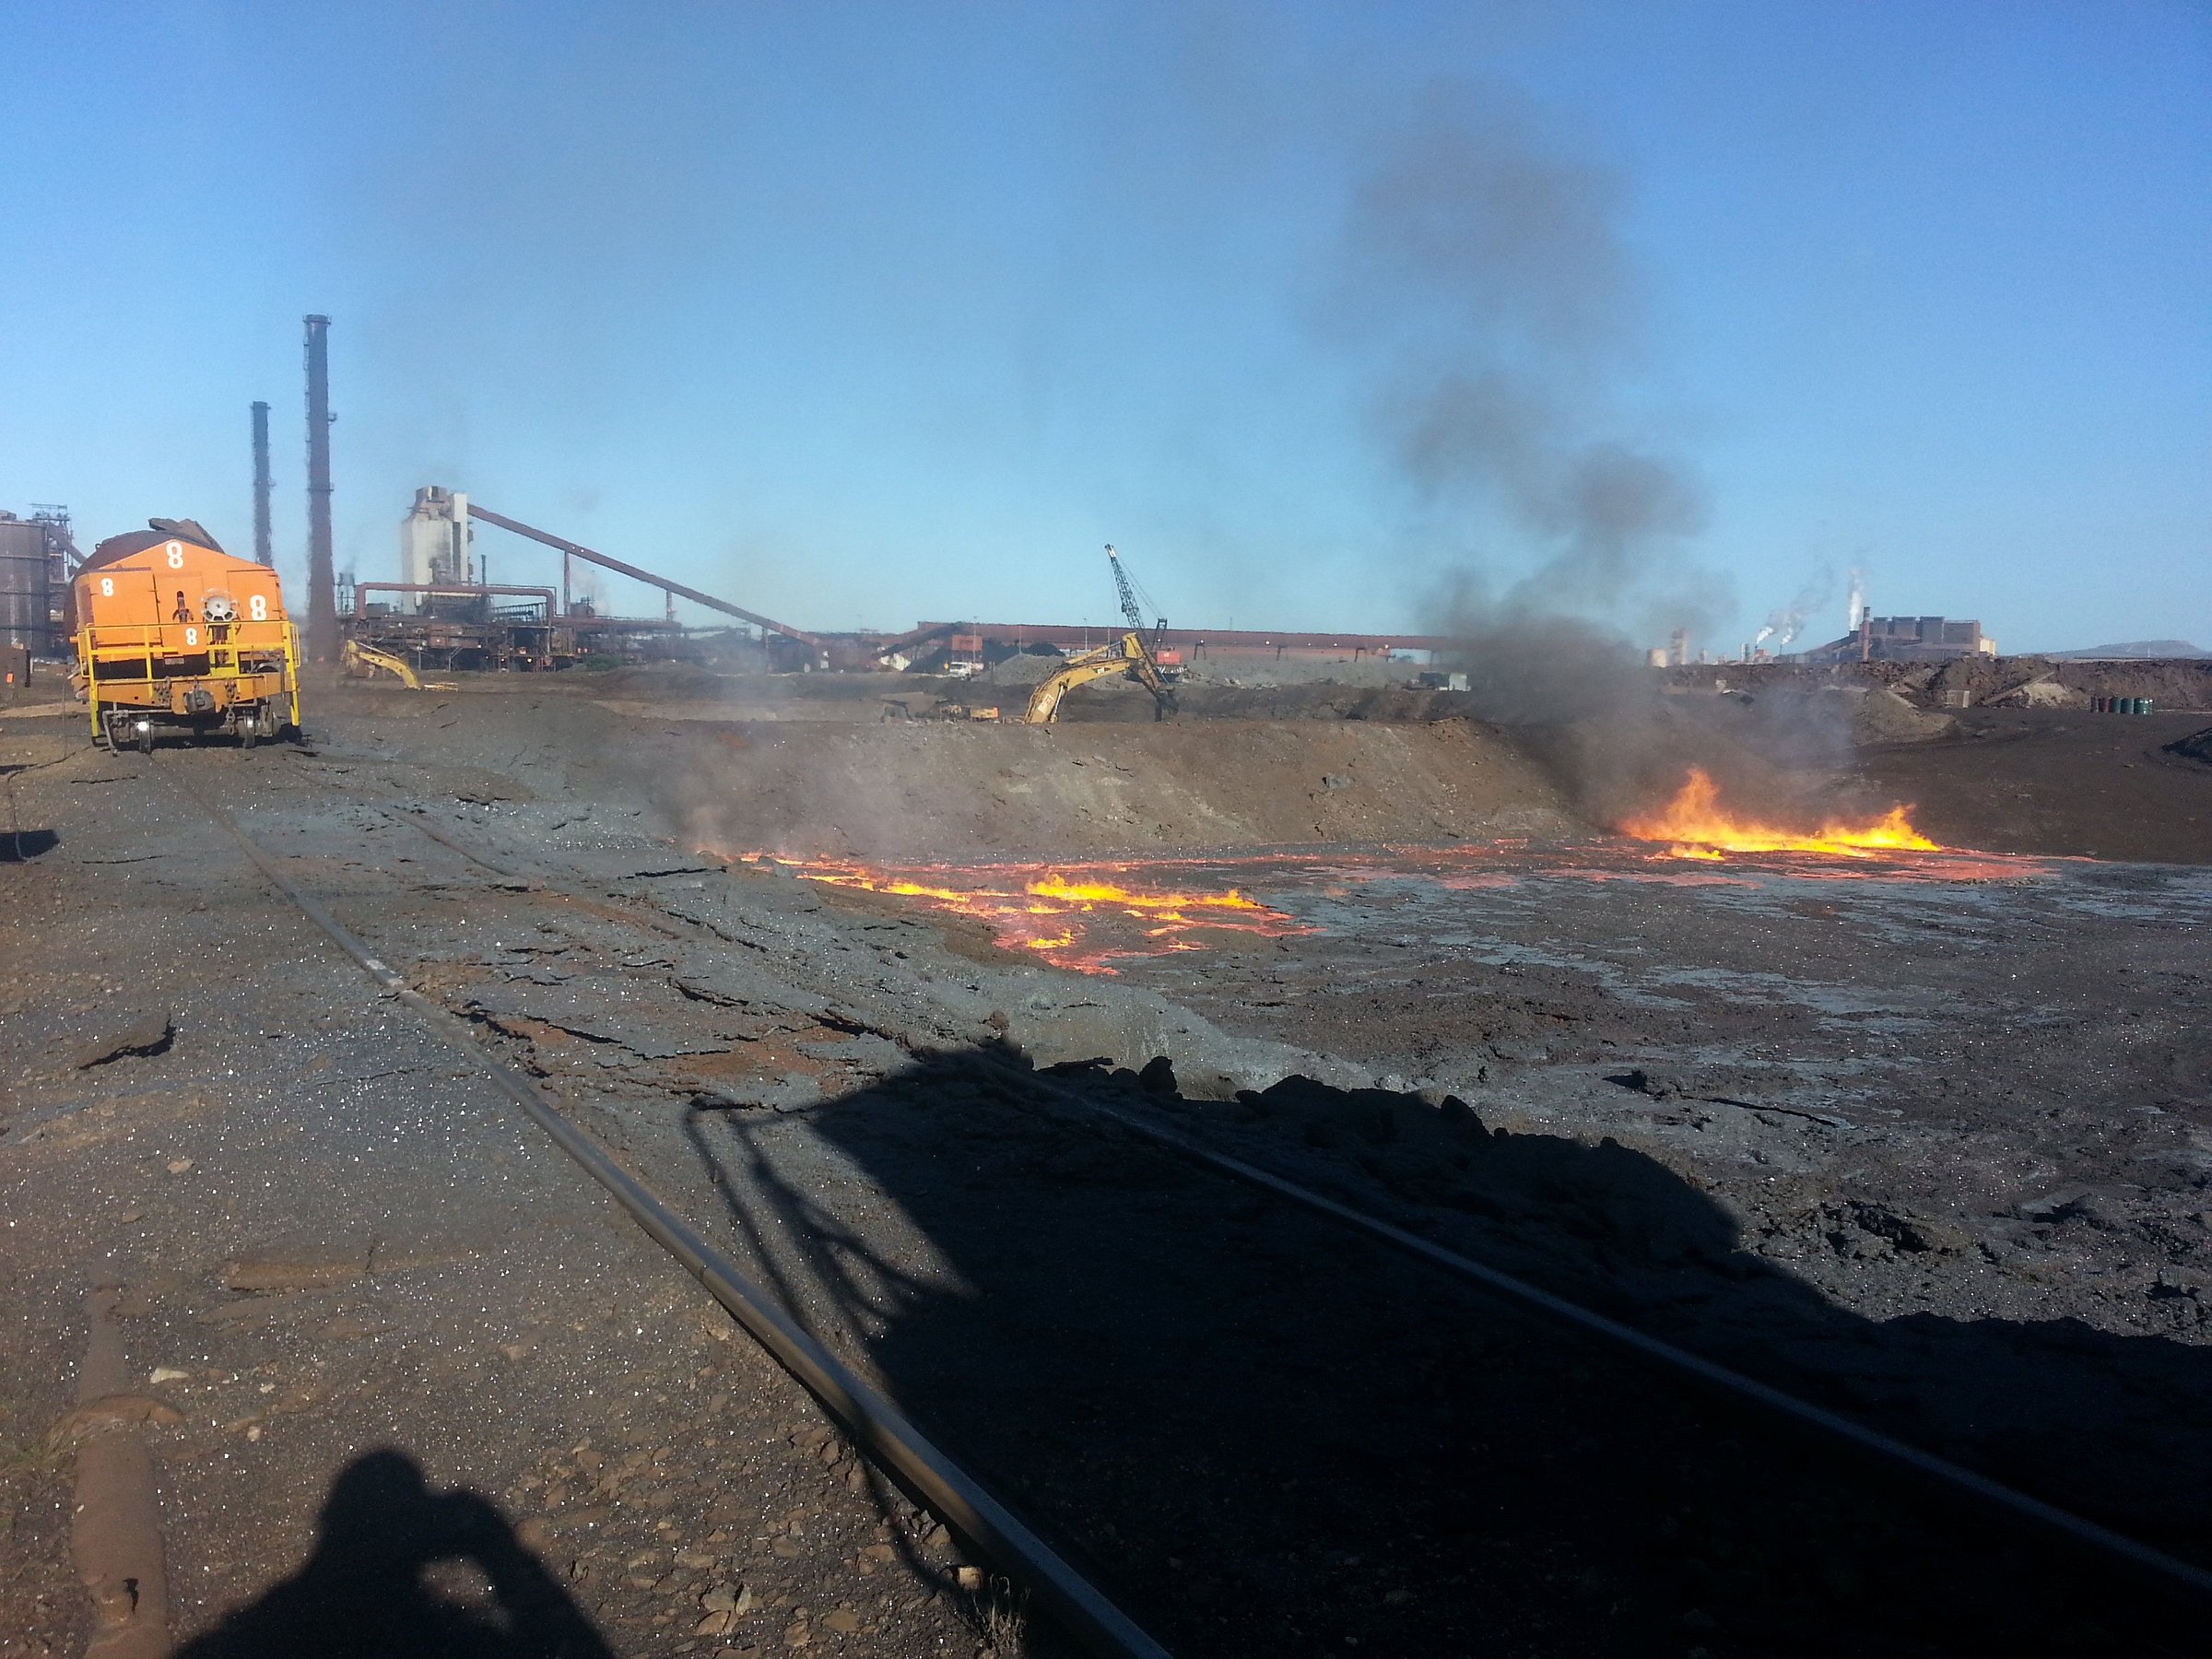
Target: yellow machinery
175,635
898,708
1126,656
366,660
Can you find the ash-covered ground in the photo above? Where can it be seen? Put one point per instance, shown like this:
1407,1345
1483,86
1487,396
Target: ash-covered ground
1925,1141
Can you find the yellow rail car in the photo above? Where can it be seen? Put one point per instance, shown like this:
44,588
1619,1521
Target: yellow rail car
176,636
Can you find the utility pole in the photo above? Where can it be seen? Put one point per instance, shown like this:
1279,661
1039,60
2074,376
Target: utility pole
322,581
263,554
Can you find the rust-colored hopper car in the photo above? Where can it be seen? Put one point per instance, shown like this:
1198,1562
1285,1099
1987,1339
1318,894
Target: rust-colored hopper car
175,636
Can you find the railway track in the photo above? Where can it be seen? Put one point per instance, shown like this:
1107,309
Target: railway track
868,1419
1076,1604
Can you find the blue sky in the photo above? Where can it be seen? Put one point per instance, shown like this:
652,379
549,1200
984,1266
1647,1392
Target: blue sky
865,314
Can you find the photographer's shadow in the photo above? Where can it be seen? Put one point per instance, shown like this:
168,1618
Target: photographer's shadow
364,1592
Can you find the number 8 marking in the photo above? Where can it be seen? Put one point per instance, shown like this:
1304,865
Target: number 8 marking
176,555
191,636
258,608
107,587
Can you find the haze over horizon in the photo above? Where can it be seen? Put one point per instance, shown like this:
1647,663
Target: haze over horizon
859,315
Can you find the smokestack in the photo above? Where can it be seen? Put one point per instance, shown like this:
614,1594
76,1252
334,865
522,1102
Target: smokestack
262,553
322,581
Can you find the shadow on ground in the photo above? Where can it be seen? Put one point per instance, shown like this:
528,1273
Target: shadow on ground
1268,1435
20,846
367,1589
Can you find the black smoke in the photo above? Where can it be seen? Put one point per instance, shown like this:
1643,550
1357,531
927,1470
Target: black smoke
1488,282
1486,268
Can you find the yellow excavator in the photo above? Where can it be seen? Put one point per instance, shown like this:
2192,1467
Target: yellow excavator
367,661
1131,655
1127,655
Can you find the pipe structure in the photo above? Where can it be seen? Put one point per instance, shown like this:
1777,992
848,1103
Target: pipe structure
458,590
322,581
673,589
262,553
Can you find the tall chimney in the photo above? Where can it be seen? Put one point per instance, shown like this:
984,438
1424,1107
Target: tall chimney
261,552
322,581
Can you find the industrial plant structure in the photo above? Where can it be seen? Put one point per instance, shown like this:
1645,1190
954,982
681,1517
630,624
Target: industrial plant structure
444,614
980,644
1903,639
35,556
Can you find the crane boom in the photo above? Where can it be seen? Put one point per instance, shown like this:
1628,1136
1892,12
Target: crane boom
1131,609
1128,595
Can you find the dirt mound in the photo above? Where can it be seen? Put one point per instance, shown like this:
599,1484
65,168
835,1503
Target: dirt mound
902,791
2197,746
2171,683
1879,715
655,681
1367,674
2012,682
1021,672
2012,779
2057,782
1299,699
2039,694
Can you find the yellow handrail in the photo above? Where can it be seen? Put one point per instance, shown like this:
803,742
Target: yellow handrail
248,636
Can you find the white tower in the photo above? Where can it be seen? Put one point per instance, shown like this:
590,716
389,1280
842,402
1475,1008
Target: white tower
433,542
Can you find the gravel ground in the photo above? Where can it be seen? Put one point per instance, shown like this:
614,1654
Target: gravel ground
388,1314
1929,1150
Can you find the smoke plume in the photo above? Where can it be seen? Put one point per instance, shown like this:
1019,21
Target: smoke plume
1488,276
1784,624
1488,269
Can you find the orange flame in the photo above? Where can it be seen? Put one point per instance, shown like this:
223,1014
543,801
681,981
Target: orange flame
1072,921
1695,825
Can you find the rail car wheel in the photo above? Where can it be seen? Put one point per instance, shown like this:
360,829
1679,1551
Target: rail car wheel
146,740
249,735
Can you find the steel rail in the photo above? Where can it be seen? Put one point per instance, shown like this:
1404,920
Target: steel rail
1804,1413
753,1303
869,1419
2133,1552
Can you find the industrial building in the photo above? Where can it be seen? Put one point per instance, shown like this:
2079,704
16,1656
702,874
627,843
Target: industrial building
434,540
980,644
1903,639
444,613
35,556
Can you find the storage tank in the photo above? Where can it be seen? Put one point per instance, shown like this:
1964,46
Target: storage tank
26,604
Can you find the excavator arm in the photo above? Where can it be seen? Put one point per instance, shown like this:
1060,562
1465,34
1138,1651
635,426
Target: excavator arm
1126,656
367,659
